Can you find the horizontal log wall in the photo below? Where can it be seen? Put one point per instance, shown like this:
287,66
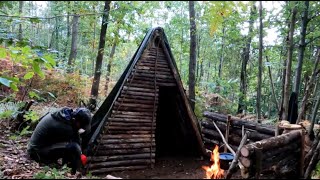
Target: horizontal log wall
128,138
280,154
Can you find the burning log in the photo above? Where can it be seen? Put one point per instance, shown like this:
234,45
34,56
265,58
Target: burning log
265,129
214,171
271,143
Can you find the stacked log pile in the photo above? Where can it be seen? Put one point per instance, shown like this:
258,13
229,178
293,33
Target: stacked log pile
282,155
237,128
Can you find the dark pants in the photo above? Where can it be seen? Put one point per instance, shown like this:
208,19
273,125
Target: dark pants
69,152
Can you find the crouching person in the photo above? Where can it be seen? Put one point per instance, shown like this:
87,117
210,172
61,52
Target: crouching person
57,135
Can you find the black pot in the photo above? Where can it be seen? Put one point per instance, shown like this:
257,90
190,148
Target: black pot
225,160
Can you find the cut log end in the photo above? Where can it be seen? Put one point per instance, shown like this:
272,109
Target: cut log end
244,152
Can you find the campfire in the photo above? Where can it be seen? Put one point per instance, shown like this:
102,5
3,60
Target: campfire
214,171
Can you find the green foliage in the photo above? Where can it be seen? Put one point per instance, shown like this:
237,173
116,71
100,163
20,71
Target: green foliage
316,172
28,63
32,116
9,110
52,173
25,131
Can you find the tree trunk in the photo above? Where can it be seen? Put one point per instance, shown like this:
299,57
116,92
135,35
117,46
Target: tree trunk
193,54
245,59
271,143
222,50
260,64
73,51
314,114
20,25
302,46
288,67
97,74
57,35
109,67
113,49
308,89
272,86
68,33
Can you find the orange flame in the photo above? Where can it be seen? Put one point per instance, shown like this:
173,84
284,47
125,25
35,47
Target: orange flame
214,171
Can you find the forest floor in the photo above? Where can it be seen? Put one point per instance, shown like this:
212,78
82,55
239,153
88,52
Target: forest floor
15,163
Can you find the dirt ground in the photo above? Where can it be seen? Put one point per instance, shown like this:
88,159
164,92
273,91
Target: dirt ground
15,163
169,168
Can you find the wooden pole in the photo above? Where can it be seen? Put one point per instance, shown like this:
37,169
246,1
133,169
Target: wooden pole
276,130
223,139
302,153
227,132
235,160
258,154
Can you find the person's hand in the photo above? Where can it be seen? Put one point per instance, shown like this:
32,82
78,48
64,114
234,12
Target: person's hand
83,159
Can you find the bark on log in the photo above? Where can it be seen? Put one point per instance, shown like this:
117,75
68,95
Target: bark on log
140,101
258,162
132,113
121,163
120,157
126,146
233,139
210,144
126,136
130,124
129,88
271,143
130,132
131,96
139,93
284,149
270,130
136,140
130,120
131,116
123,128
311,152
113,169
253,135
123,151
313,162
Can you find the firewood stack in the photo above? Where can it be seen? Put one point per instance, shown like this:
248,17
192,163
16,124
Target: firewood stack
236,130
265,151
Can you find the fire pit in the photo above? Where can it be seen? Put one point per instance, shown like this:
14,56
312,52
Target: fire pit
225,160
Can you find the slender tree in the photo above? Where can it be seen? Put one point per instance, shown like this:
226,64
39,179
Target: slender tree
20,25
113,50
288,67
302,46
73,52
97,73
245,59
260,63
193,54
